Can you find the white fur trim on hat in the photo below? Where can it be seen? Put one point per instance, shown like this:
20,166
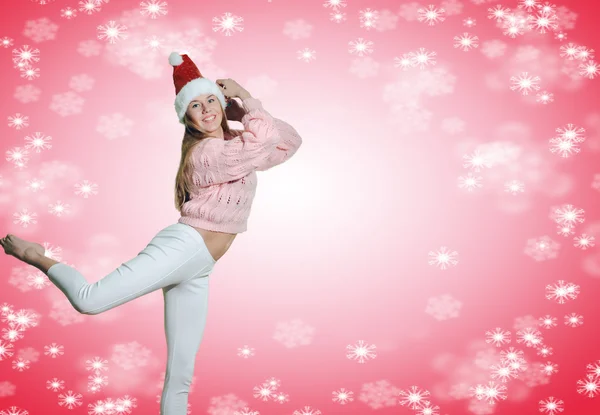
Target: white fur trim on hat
175,59
191,90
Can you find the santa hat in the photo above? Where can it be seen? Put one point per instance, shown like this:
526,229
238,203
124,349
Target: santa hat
189,83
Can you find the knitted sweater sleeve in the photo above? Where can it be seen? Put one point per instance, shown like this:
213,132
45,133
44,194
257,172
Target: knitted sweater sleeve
289,142
215,160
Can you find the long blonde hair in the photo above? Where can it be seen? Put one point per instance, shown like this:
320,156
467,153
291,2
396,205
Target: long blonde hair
192,137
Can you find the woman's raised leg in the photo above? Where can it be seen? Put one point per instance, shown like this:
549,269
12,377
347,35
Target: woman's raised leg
174,255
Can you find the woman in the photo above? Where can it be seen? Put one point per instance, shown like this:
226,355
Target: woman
214,189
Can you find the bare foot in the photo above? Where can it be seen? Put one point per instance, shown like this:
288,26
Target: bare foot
21,249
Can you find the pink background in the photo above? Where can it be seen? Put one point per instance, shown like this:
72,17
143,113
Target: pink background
337,249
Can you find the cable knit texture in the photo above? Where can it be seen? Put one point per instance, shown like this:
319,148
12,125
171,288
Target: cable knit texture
223,171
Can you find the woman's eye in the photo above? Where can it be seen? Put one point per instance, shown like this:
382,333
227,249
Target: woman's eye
210,99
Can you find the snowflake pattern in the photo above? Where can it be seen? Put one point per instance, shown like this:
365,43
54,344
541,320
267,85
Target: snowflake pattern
228,24
525,83
431,15
561,291
112,31
551,406
498,337
361,352
153,8
443,258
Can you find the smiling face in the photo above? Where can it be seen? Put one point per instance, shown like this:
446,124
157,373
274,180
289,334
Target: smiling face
203,107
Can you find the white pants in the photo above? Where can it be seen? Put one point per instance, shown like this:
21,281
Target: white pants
176,260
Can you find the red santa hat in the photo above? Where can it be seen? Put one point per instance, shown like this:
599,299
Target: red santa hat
189,83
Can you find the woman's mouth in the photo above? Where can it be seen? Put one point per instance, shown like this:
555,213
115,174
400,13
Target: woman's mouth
209,119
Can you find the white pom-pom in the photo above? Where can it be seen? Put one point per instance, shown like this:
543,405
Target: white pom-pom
175,59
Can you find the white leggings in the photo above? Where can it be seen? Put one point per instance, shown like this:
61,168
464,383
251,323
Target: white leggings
176,260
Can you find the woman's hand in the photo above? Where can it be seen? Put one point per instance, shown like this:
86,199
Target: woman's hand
231,88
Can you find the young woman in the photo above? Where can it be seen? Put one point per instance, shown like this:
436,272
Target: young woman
214,189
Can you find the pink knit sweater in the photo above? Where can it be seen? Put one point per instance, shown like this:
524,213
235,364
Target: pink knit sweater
224,170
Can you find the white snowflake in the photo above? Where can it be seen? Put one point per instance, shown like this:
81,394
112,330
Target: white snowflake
544,97
361,352
227,23
68,13
573,320
154,42
423,58
549,368
86,189
466,42
153,8
551,406
97,365
530,336
89,6
584,241
443,258
561,291
307,55
543,21
548,321
360,47
413,397
29,72
569,51
491,392
528,5
25,218
469,182
476,161
584,54
594,368
18,121
59,208
568,214
498,337
525,83
26,54
571,132
431,15
504,372
6,42
498,13
335,3
590,386
70,400
112,31
589,69
55,384
514,186
38,141
543,350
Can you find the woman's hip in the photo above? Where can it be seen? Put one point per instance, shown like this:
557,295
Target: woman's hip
180,243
